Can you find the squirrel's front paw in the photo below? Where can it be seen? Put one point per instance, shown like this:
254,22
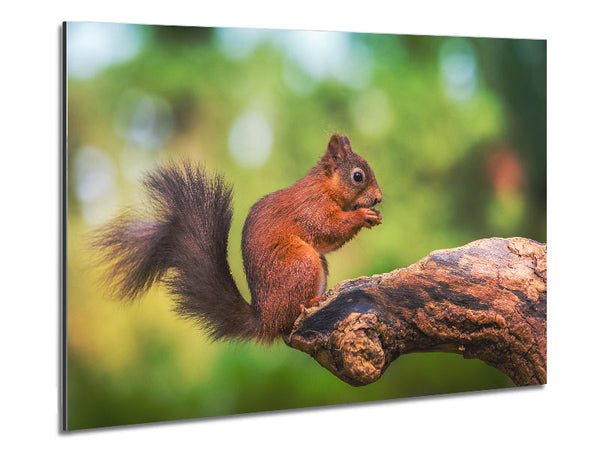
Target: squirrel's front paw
371,217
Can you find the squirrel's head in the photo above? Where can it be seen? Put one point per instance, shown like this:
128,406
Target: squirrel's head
350,178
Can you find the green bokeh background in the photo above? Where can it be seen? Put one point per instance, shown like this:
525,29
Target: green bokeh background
454,129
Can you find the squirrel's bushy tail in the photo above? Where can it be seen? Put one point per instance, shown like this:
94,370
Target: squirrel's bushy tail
186,230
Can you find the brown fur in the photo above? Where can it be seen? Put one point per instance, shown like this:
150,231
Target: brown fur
287,233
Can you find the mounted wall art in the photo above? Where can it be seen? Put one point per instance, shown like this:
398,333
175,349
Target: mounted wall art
259,220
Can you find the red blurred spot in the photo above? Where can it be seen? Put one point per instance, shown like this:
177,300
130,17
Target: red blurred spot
505,170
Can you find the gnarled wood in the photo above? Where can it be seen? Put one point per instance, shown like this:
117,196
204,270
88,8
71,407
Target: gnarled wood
485,300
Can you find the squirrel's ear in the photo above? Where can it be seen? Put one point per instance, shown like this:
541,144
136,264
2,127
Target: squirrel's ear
338,148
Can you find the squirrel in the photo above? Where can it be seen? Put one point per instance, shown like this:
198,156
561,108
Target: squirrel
183,243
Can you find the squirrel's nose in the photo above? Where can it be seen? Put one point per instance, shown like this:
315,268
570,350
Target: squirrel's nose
378,197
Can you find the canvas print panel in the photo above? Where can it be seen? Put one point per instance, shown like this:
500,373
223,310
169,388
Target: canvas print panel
398,146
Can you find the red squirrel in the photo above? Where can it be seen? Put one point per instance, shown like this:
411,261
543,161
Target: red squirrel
284,241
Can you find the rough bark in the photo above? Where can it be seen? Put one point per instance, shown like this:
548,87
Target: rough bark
485,300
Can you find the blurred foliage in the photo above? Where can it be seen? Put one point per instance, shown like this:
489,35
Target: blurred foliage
454,129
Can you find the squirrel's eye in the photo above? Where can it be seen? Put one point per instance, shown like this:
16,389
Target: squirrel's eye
358,177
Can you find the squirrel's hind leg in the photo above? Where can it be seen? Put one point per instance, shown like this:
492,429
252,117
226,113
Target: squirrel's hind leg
300,280
316,301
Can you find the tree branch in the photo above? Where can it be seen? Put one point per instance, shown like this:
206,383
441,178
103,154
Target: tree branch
485,300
